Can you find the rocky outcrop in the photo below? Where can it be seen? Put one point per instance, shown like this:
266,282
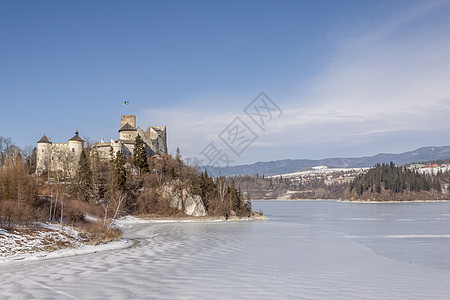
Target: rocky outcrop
194,206
179,198
173,194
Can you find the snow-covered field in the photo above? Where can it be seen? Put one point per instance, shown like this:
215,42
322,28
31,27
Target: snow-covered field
435,170
319,171
305,250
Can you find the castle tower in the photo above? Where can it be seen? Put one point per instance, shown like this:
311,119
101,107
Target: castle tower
130,119
76,145
43,154
127,131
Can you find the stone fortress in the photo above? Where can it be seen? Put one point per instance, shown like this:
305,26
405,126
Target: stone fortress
64,156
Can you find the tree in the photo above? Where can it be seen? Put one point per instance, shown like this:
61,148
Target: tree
29,155
221,186
235,197
84,177
100,172
5,149
118,197
178,157
140,155
120,172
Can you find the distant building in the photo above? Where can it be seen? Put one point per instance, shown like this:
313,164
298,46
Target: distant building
416,166
65,156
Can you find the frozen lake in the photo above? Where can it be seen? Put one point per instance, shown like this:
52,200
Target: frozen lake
306,250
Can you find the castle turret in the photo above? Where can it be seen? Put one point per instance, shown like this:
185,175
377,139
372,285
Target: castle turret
43,154
127,131
76,145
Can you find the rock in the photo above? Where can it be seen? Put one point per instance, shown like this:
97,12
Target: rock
174,196
178,198
194,206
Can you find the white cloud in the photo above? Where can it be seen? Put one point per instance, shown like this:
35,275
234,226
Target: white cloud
385,90
393,78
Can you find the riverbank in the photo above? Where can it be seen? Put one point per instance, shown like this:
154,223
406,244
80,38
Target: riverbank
159,219
45,241
392,201
354,200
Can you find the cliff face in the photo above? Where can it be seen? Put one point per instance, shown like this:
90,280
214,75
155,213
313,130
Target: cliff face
181,199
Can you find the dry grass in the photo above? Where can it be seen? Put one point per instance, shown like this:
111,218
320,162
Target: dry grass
13,214
95,233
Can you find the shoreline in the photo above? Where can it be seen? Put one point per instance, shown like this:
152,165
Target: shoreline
64,252
355,201
282,199
183,219
393,201
123,243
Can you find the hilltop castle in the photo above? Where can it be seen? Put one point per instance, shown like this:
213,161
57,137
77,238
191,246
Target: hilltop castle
65,156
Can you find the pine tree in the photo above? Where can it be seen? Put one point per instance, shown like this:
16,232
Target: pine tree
178,157
84,177
140,155
120,172
235,197
111,155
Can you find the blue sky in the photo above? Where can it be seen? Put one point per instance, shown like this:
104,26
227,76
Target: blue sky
352,78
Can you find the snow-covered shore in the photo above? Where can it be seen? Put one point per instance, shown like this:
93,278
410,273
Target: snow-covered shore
184,219
48,241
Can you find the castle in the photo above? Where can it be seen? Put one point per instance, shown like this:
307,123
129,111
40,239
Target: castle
65,156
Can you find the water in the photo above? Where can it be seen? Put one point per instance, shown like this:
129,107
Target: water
306,250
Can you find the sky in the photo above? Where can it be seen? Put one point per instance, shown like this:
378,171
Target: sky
339,78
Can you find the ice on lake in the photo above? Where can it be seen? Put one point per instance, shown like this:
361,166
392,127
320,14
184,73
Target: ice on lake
306,250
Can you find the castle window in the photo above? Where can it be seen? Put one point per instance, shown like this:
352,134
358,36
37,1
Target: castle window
73,149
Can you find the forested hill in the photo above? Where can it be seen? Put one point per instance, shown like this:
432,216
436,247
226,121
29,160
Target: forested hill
294,165
389,182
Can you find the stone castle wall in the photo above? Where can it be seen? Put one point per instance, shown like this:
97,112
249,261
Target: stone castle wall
65,156
127,119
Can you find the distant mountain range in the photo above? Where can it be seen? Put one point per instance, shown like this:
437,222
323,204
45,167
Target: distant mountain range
294,165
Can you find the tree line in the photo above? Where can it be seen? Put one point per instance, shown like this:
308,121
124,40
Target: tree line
397,181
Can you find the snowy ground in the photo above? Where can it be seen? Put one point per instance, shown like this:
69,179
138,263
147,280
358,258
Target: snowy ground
47,241
319,171
51,241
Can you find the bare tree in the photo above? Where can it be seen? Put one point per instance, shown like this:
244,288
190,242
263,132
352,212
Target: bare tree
159,168
5,145
29,156
221,191
105,208
118,198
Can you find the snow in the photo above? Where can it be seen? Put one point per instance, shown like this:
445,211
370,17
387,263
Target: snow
47,241
316,171
319,168
130,220
306,250
88,217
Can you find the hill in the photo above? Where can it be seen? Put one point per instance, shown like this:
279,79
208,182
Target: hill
294,165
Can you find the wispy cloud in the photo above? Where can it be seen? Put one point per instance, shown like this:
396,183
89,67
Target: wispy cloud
389,78
386,89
